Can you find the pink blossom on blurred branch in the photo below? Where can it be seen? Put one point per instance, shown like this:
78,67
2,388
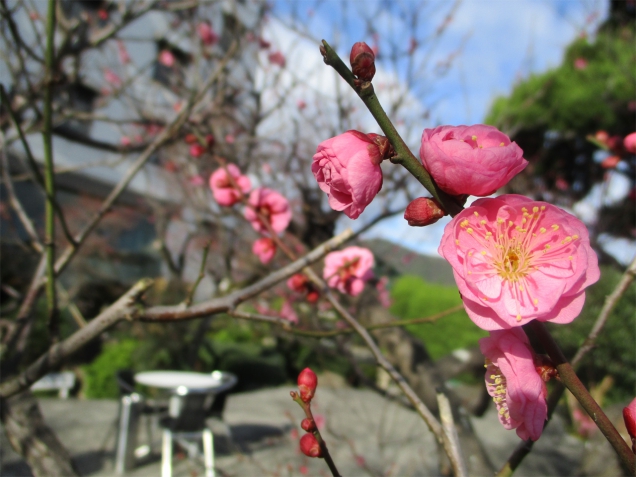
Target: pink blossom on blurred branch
265,249
223,190
166,58
580,64
516,260
473,160
271,206
207,35
513,382
124,58
112,78
277,58
348,269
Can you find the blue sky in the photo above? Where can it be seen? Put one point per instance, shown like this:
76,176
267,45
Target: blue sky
494,43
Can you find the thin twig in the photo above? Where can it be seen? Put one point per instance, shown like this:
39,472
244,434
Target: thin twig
331,333
610,302
34,166
15,202
49,178
448,424
204,259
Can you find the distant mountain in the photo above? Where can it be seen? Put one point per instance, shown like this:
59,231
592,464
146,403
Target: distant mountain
394,260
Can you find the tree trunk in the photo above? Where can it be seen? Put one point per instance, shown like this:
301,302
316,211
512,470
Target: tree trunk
33,439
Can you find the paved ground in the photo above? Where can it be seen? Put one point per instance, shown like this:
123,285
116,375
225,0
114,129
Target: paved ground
367,435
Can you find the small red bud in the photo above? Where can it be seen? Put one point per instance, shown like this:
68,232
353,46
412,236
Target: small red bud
309,446
190,138
308,425
423,211
209,140
297,282
196,150
307,382
362,61
629,415
312,296
601,136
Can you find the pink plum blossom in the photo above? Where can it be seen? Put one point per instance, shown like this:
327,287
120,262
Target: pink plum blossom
269,205
166,58
348,269
287,312
196,181
473,160
347,169
277,58
124,57
513,382
223,190
516,260
112,78
580,64
207,35
630,142
265,249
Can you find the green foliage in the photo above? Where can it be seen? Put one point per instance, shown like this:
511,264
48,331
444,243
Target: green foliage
415,298
99,376
615,353
570,99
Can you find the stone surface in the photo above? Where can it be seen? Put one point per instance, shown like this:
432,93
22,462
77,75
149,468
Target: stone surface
366,434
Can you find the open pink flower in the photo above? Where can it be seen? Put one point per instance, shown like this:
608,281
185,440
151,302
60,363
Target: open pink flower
223,190
513,382
473,160
348,269
265,249
516,260
287,312
347,167
271,206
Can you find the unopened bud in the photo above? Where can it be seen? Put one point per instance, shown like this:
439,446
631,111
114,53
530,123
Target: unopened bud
209,140
196,150
309,446
307,382
312,296
297,282
362,61
308,425
423,211
190,138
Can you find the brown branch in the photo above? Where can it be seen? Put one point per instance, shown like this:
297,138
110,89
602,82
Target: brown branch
126,308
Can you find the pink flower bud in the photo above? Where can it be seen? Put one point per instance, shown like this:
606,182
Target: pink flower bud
309,446
265,249
362,61
297,282
629,415
196,150
630,142
601,136
207,35
277,58
166,58
475,160
308,425
423,211
307,382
